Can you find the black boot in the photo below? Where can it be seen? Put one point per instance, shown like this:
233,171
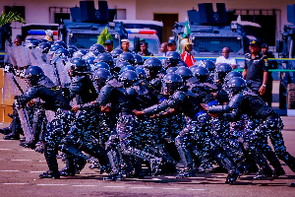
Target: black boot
11,136
100,154
50,156
186,160
273,160
70,168
5,130
289,160
232,176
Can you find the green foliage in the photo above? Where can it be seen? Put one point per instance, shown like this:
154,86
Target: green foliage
11,17
105,35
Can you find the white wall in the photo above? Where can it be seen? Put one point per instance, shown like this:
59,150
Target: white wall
146,9
37,11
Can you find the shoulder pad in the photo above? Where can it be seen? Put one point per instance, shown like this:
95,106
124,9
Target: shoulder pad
211,86
114,83
46,82
249,92
141,90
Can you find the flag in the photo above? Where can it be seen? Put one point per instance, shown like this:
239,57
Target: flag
187,29
179,46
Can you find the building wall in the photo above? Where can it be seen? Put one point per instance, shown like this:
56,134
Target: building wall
37,11
146,9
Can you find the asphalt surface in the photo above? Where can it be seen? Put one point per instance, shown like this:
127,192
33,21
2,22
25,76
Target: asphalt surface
20,168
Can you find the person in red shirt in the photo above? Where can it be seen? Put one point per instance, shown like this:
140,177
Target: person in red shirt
186,56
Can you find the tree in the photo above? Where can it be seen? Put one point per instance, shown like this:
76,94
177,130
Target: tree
10,17
105,35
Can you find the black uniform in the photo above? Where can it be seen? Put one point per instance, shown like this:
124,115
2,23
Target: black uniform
255,68
267,121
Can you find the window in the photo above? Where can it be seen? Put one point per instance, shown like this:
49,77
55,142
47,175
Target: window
57,14
121,14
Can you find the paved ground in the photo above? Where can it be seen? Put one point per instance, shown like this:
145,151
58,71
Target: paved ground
20,167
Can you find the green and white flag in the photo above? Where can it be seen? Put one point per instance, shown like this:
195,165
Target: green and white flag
179,50
187,29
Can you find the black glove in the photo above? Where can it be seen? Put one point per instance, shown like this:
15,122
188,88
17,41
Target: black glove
18,101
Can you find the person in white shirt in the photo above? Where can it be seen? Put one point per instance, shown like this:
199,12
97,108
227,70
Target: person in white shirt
226,59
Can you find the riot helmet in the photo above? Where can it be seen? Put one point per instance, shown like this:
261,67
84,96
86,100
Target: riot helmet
61,52
201,73
172,59
128,77
116,52
119,66
171,70
79,53
97,47
126,57
105,57
222,70
73,47
33,74
170,83
184,72
231,75
235,85
61,43
207,64
55,47
152,66
141,73
100,77
28,42
44,47
125,68
138,59
101,65
90,60
79,66
32,44
181,63
193,68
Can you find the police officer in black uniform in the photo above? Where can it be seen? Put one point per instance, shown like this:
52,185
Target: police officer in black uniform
245,101
42,87
256,69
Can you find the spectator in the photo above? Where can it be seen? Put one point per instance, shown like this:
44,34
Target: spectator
186,56
125,45
144,49
164,48
108,45
17,41
272,65
225,58
171,45
256,69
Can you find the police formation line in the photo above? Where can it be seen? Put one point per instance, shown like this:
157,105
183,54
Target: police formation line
122,113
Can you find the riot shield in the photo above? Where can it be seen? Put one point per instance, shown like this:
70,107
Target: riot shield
16,89
9,53
62,69
21,56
